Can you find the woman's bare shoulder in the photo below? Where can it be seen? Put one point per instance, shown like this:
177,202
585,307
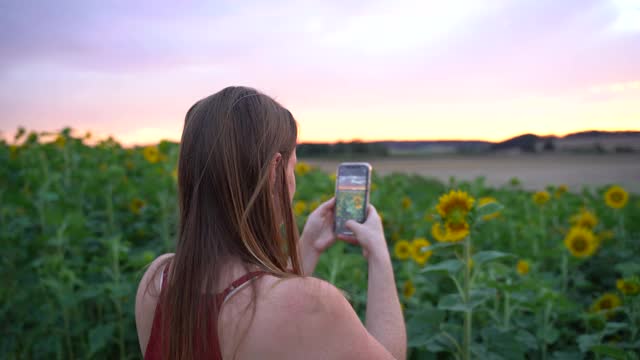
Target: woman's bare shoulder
306,295
313,320
147,298
152,276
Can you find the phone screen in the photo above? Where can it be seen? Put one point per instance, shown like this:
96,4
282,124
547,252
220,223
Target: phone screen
351,195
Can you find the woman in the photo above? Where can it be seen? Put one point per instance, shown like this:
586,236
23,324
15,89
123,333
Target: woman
239,284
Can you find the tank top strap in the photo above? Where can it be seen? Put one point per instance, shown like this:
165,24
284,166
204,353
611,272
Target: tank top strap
163,278
237,284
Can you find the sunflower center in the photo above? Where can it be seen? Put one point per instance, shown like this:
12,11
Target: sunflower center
606,304
457,207
579,244
457,226
616,197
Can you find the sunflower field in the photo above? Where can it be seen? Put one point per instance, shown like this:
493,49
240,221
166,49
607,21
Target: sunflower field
482,272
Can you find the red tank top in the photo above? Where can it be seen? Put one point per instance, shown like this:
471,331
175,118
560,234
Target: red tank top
156,342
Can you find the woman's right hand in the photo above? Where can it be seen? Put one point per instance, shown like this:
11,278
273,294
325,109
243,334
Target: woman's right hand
369,234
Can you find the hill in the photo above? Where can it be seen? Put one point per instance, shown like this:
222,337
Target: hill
585,141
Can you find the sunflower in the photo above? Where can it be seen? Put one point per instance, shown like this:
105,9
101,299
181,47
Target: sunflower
357,202
299,207
402,249
13,150
586,219
314,205
406,203
302,168
151,154
581,242
450,231
456,204
607,303
522,267
561,190
136,206
457,231
417,253
488,200
60,141
541,197
628,286
408,289
616,197
438,232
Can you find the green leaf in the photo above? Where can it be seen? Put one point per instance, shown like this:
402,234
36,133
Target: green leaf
628,268
99,337
487,256
614,327
449,266
527,338
441,245
439,343
615,353
551,335
586,342
566,355
423,325
488,209
453,302
503,342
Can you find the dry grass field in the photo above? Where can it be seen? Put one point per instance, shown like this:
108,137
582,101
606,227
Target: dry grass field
534,171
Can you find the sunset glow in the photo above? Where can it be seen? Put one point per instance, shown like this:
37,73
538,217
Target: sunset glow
369,70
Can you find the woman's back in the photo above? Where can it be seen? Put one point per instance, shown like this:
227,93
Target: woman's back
294,318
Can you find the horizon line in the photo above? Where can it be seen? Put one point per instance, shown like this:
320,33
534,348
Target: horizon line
96,138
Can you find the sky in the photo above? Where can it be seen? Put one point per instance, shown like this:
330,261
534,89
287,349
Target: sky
368,70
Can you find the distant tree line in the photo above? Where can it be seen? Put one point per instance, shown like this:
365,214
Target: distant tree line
358,148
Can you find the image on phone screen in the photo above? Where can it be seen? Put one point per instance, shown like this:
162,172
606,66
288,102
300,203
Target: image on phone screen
351,196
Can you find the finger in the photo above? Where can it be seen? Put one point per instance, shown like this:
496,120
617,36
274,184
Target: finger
371,212
327,205
353,225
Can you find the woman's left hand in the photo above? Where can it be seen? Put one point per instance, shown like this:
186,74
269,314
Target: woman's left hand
318,231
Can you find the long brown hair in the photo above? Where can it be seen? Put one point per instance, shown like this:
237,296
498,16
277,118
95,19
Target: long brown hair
229,208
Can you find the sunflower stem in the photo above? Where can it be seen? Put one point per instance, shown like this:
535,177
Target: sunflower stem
621,229
507,310
565,271
543,227
545,325
469,312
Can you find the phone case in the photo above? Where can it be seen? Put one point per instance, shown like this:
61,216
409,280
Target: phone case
366,195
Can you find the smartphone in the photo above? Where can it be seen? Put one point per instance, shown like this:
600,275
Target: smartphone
353,184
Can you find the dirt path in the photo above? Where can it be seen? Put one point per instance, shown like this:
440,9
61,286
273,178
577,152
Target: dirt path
534,171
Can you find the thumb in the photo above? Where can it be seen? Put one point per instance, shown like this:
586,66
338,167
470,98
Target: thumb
354,226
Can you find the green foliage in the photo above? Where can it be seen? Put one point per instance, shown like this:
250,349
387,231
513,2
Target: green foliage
79,224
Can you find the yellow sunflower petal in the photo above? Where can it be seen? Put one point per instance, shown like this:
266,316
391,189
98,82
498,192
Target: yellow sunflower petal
616,197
